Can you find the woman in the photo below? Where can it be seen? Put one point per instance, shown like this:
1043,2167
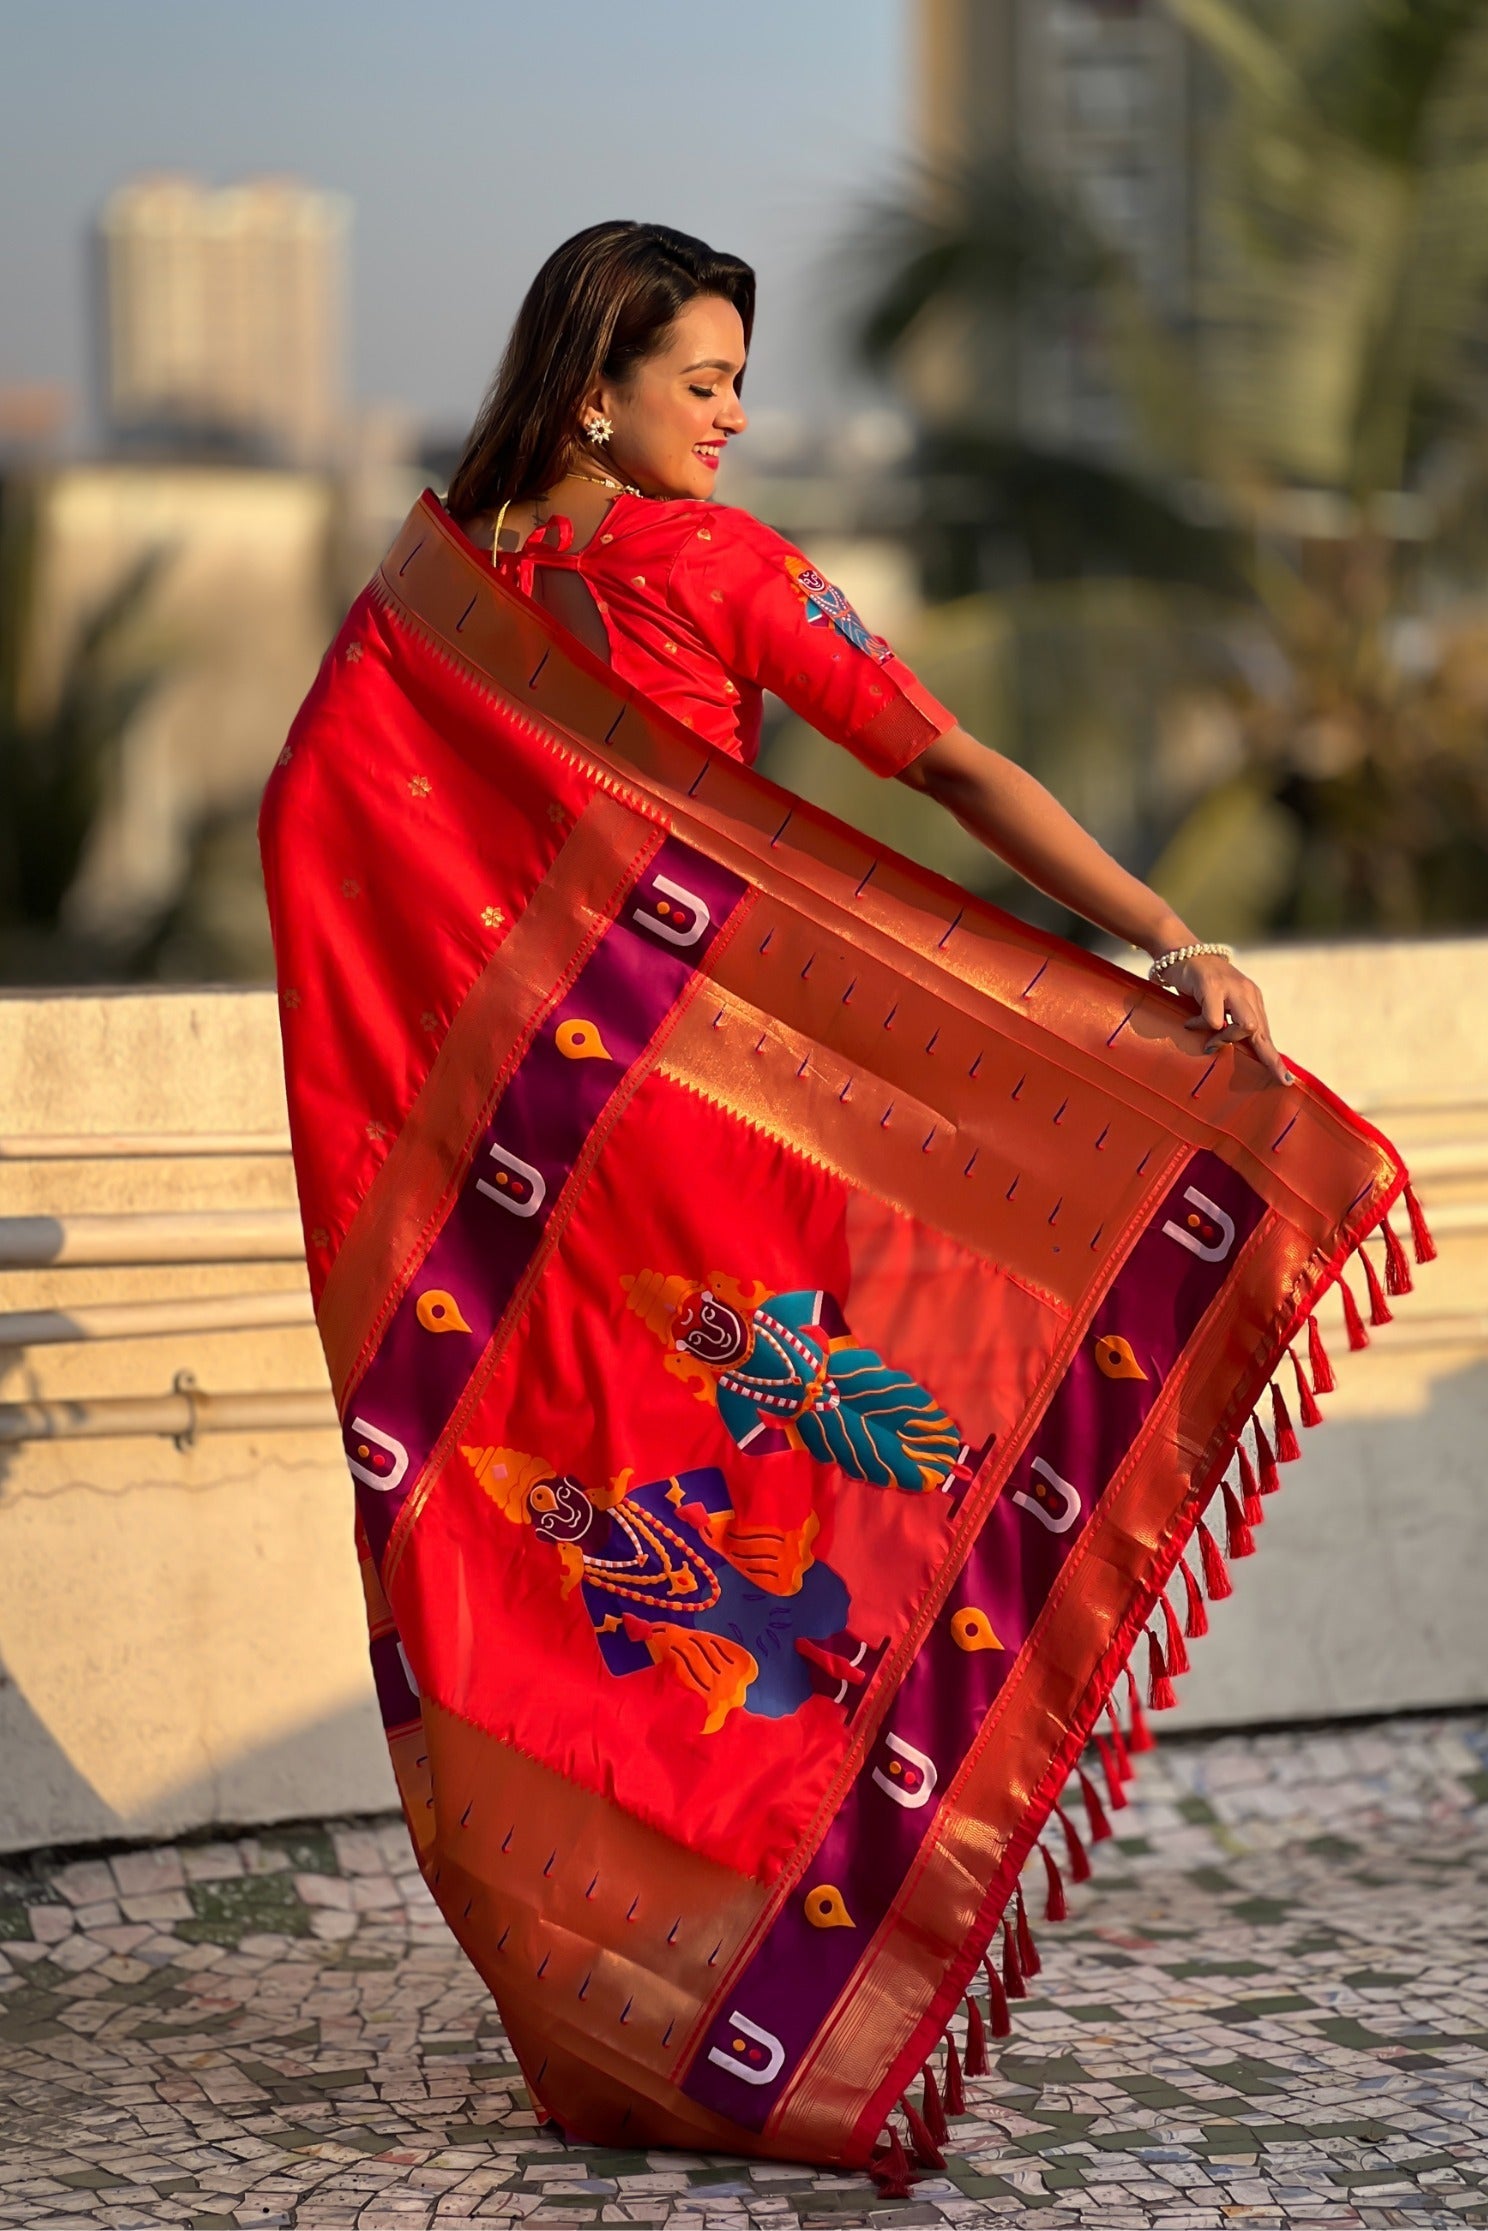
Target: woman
788,1319
621,387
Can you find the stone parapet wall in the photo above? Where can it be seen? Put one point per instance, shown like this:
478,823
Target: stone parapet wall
181,1636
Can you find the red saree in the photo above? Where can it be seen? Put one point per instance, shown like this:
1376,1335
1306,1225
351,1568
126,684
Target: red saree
788,1320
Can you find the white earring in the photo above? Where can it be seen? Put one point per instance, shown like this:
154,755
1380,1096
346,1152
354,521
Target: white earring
599,429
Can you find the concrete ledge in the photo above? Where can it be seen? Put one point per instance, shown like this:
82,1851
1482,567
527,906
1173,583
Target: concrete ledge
181,1635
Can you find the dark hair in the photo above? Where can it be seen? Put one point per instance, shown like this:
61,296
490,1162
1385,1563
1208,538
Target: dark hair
601,304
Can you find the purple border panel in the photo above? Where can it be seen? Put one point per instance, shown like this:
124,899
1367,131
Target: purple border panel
663,930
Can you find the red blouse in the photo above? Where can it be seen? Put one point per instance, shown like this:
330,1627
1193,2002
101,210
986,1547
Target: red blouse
705,609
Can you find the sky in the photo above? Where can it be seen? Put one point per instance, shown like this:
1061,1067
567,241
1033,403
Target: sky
472,136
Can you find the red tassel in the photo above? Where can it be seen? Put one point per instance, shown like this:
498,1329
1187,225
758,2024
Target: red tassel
976,2039
1196,1620
1217,1580
1421,1238
1270,1477
932,2110
1250,1497
1317,1356
890,2169
1287,1448
1306,1401
1055,1908
1075,1855
1095,1812
1379,1308
1398,1279
1239,1541
1161,1694
923,2149
1357,1336
1028,1953
1177,1648
955,2090
1119,1751
1012,1973
1115,1793
1141,1737
997,2005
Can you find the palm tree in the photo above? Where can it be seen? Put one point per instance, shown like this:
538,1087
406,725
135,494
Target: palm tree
1299,489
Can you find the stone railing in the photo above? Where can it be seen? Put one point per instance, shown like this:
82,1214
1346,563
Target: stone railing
182,1637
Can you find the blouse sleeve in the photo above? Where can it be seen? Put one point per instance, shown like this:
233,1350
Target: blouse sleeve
773,619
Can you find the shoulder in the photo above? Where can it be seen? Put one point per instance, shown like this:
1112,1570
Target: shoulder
688,524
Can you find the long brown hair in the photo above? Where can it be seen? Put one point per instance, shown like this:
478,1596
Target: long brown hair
601,304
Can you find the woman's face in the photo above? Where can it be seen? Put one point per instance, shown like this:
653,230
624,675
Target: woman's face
679,409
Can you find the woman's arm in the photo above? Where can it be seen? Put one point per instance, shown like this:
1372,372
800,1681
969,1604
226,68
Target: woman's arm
1016,817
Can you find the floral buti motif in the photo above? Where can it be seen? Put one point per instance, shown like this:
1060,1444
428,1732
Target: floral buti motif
824,603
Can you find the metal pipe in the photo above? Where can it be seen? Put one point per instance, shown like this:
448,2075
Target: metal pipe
226,1235
100,1146
143,1320
180,1416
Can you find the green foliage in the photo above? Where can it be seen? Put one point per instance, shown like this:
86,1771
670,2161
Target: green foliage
59,751
1327,401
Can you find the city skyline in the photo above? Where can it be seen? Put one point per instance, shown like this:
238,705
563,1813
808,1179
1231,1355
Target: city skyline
446,152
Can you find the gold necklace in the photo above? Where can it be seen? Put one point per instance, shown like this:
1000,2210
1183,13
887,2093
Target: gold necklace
600,480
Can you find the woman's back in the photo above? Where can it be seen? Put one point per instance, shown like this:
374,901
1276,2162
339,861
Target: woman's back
704,608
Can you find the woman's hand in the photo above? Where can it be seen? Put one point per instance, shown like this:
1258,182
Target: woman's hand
1015,817
1230,1006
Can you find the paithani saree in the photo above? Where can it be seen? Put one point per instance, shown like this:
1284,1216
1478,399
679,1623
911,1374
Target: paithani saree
809,1347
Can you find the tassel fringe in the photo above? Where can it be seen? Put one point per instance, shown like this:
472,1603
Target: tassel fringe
1055,1908
1317,1354
1250,1494
1421,1239
1076,1856
890,2169
1398,1278
1115,1791
1379,1308
1217,1579
923,2149
1161,1695
1095,1812
1266,1458
1012,1972
1028,1952
932,2110
976,2039
1288,1449
997,2006
1178,1659
1119,1750
1239,1541
1353,1322
1141,1737
1196,1611
953,2088
1306,1400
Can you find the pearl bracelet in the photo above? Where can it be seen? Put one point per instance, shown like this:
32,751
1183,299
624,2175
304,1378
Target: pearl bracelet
1186,953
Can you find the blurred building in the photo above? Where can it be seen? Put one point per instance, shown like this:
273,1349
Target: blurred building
237,587
1098,99
221,318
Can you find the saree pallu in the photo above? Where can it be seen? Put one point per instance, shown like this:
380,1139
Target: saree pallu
789,1320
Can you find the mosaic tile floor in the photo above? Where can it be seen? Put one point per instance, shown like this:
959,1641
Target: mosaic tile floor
1271,2007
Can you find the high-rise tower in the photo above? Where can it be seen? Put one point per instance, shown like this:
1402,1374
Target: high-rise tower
222,318
1096,99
